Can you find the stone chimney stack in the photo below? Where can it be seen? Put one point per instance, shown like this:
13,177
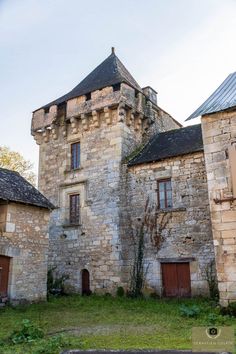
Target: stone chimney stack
151,94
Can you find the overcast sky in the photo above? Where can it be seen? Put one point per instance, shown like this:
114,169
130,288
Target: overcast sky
182,48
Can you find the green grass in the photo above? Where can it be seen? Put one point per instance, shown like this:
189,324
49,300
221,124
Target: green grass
108,323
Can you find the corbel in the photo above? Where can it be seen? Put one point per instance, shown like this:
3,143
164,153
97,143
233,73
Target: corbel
45,135
138,122
84,121
64,130
130,117
54,130
74,125
108,116
37,137
95,116
121,112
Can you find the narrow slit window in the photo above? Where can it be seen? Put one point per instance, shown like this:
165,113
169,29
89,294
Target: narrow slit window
164,194
74,209
75,156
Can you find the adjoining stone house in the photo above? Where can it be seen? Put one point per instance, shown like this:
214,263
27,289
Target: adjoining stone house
106,148
218,123
24,216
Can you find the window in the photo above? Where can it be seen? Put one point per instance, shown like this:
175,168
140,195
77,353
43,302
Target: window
74,209
164,194
88,96
116,87
75,156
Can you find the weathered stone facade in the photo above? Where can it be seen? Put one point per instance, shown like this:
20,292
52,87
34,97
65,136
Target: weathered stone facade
24,239
186,236
219,134
112,123
106,136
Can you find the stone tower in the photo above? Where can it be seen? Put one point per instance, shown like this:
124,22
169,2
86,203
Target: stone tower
84,137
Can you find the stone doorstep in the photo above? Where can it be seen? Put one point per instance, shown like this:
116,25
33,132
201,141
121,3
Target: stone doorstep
138,351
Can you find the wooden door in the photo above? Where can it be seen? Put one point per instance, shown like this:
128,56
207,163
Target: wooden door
4,274
85,282
176,279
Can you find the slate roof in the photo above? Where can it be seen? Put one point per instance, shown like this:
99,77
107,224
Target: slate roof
223,98
14,188
170,144
110,72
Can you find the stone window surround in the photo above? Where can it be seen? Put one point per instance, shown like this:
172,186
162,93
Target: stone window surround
70,141
164,180
75,155
66,190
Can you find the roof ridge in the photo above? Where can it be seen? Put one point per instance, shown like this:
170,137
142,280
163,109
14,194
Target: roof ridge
8,170
109,72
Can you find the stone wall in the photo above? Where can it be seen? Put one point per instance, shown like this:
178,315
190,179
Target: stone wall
109,127
187,227
24,238
219,133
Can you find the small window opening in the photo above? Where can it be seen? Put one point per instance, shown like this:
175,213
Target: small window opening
74,209
75,156
164,194
88,96
116,87
61,109
46,110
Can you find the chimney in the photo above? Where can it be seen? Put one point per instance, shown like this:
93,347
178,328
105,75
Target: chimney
150,93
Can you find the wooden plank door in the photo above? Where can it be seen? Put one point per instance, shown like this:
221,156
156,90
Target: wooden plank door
176,279
184,282
4,275
85,282
170,281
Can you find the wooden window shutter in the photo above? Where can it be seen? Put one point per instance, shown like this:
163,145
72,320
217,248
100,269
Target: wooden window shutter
232,163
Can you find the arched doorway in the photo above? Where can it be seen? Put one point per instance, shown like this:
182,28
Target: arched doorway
4,274
85,282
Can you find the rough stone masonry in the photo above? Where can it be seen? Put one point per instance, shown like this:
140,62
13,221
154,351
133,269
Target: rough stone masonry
127,144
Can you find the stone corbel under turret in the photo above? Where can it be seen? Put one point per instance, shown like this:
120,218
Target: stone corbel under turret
121,112
138,121
84,121
74,124
38,137
95,116
108,116
45,135
54,131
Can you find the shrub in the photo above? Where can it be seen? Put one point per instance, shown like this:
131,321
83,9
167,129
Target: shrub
154,295
120,291
189,311
28,333
209,274
52,345
230,310
56,286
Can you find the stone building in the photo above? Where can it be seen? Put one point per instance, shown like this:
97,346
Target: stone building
106,150
24,216
219,136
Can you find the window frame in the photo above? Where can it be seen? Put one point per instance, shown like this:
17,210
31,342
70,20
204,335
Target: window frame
74,220
164,180
77,165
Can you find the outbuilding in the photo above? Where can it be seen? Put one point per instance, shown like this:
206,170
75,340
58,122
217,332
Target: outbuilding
24,216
